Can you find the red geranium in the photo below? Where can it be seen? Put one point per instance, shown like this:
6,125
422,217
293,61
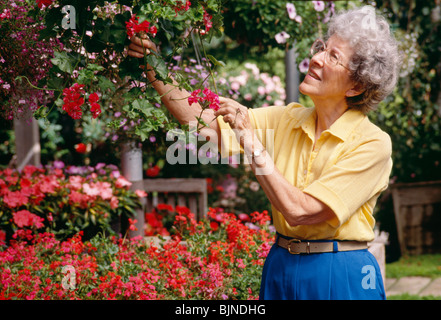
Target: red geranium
73,100
152,171
208,97
80,148
45,3
133,26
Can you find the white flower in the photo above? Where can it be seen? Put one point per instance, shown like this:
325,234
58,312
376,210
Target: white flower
292,13
304,65
281,37
319,5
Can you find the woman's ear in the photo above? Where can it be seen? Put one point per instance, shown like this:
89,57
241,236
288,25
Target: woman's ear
355,91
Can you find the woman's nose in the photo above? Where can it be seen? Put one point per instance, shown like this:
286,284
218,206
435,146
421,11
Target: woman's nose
318,59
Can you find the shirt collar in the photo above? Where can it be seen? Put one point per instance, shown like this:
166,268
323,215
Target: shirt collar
341,128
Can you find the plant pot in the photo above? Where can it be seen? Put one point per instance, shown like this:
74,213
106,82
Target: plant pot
417,208
131,167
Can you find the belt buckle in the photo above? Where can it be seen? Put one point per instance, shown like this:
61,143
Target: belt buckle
289,245
298,241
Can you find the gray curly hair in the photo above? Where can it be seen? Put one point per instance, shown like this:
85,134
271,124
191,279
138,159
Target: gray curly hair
375,64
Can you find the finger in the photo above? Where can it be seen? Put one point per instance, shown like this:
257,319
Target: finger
143,43
135,47
135,54
224,110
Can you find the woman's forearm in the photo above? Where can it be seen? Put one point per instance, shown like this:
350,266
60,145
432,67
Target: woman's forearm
297,207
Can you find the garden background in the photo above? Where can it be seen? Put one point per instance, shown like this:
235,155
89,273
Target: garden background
64,73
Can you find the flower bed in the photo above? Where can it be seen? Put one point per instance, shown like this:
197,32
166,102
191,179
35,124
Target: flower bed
64,200
218,258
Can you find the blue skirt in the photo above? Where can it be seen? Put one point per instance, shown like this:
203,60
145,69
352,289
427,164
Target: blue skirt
344,275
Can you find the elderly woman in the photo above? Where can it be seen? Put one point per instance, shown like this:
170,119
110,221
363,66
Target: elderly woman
322,168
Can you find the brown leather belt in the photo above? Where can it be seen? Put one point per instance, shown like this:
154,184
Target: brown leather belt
296,246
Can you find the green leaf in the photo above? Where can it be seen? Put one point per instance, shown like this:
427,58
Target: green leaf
159,65
64,61
215,61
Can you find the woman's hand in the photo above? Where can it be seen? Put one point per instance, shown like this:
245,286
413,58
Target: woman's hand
140,47
233,113
236,115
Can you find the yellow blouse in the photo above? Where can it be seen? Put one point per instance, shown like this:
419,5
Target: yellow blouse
348,168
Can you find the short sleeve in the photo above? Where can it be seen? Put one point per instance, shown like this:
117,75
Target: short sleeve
360,174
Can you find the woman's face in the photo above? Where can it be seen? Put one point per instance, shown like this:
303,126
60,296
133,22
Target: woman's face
328,81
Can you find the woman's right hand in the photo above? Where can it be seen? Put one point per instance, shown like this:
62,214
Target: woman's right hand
138,47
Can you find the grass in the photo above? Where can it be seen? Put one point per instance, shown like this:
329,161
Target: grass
427,265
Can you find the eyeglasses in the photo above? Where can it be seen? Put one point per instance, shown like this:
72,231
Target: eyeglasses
330,58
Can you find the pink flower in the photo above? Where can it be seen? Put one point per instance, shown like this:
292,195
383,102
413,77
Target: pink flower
15,199
24,218
114,202
122,182
193,98
304,65
141,193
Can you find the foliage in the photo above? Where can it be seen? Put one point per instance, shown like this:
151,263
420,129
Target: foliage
258,25
218,258
64,200
412,114
93,65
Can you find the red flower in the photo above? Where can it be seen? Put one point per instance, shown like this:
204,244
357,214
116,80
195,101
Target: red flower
209,98
80,148
152,171
93,97
45,3
207,22
214,225
182,5
2,237
133,26
73,100
132,223
95,109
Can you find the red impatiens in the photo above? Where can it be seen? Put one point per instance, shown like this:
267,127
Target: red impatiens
133,26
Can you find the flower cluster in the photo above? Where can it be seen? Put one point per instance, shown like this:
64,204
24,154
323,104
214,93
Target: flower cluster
133,27
253,88
225,263
25,59
73,100
181,5
209,98
64,200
